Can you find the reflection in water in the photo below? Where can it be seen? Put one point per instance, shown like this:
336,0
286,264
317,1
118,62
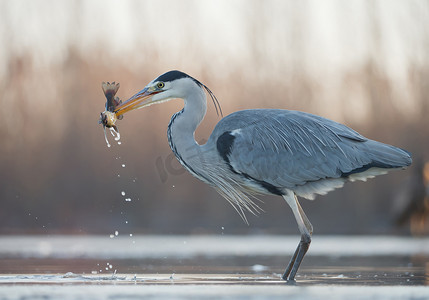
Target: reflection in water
194,261
316,270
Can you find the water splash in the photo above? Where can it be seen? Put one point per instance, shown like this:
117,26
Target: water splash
105,138
114,133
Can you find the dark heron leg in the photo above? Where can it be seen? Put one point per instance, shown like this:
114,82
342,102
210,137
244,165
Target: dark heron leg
296,259
306,230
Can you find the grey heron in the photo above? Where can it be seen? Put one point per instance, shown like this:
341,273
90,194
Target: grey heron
266,151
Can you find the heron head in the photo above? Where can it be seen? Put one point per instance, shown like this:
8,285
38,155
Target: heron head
171,85
168,86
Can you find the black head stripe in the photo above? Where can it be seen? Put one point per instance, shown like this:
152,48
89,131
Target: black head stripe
172,75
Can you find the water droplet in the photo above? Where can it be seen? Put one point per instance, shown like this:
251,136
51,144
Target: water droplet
116,233
118,135
112,236
105,137
131,234
123,193
223,228
123,165
128,199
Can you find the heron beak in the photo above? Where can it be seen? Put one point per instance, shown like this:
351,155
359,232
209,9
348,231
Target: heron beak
139,100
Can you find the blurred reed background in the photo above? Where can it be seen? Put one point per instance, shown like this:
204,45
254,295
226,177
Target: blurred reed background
362,63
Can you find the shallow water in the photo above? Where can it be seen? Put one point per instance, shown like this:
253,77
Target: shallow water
210,267
316,270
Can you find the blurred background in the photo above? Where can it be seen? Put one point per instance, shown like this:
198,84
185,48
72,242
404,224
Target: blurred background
362,63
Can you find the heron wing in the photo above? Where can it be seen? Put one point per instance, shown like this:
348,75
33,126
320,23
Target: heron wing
289,149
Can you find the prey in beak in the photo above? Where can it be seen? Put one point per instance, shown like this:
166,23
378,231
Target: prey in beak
115,108
108,118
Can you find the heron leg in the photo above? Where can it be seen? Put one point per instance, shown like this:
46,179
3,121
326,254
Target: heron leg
304,217
306,230
296,259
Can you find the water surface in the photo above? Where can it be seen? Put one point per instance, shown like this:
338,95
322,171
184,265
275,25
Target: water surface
210,267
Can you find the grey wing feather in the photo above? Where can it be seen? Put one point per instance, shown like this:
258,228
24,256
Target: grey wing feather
291,149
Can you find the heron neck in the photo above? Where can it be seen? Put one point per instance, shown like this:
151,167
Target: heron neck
183,124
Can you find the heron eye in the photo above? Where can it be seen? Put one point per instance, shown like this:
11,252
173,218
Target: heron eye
160,85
